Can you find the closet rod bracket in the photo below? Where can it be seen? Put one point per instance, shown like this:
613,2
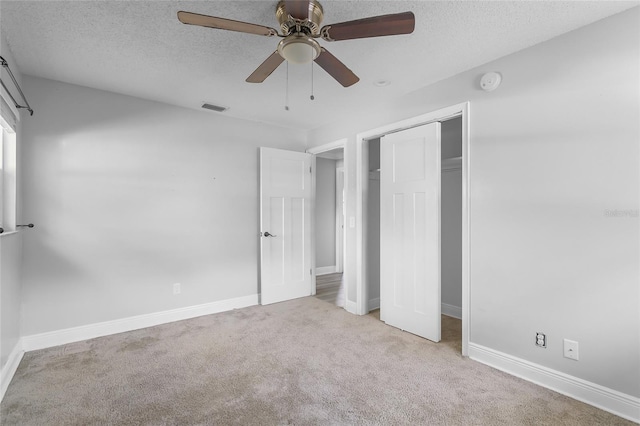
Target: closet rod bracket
5,65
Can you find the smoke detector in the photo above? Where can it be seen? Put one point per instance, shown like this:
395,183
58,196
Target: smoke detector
490,81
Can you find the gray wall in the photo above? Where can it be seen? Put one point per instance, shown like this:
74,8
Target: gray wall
131,196
552,150
451,216
373,226
451,137
325,212
451,238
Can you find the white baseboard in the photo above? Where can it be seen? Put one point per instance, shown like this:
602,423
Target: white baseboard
9,369
610,400
451,311
91,331
351,307
324,270
374,304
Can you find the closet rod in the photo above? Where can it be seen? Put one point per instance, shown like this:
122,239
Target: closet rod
31,225
5,65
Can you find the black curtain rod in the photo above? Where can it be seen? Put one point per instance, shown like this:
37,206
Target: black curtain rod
5,65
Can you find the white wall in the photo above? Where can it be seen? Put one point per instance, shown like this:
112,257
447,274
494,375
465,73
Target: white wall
325,212
552,150
130,197
10,248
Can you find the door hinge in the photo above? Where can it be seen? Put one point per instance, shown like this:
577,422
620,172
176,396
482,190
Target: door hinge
309,169
310,272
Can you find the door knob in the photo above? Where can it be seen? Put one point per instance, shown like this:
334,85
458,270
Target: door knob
267,234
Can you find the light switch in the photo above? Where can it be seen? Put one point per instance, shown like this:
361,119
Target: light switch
570,349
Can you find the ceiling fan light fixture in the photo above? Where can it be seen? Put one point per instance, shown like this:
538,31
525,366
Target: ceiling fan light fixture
300,22
299,49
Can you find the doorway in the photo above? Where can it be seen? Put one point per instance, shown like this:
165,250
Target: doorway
329,219
455,248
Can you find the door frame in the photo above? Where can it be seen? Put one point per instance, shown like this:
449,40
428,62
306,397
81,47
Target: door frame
340,143
340,216
362,174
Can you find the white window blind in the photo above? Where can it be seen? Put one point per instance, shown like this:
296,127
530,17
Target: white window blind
7,114
2,202
8,168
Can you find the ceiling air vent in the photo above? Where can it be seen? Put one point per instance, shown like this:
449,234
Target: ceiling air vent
216,108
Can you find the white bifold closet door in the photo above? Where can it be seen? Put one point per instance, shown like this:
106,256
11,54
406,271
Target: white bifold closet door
410,230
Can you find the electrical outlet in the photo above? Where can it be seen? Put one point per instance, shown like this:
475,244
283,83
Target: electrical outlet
541,340
176,288
570,349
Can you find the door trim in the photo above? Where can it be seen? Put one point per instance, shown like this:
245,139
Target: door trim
340,218
360,305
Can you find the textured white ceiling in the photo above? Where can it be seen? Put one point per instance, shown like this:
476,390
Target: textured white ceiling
140,48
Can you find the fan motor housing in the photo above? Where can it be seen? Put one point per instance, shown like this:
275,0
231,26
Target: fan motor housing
308,26
299,49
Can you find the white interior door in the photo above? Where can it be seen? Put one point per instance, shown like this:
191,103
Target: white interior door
285,225
410,230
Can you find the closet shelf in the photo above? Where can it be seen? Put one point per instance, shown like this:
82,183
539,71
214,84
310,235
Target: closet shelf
451,164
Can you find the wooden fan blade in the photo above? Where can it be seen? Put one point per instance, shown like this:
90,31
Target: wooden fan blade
336,69
266,68
224,24
384,25
298,9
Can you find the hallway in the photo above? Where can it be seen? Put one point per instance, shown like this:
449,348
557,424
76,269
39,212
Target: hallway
330,288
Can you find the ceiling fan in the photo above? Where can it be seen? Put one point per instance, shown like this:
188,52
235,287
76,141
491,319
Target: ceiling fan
300,24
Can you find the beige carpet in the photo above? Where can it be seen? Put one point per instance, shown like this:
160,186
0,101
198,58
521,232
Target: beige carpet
303,362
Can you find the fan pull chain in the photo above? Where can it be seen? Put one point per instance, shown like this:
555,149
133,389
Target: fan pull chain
286,91
312,97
